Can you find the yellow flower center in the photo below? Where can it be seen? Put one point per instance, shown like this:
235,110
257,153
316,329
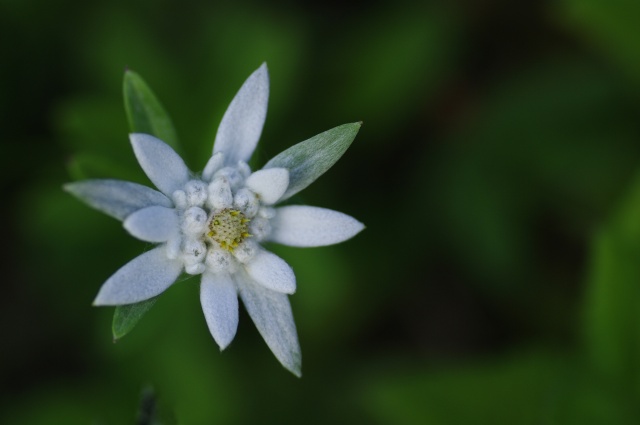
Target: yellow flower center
229,227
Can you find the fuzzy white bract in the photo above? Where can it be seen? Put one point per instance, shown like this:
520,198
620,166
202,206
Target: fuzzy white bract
212,224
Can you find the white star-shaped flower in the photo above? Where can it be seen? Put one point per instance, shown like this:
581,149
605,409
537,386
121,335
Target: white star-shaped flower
211,224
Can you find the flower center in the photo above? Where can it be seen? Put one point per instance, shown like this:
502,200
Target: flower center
228,227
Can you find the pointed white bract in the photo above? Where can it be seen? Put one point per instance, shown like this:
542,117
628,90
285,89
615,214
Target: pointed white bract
117,198
272,272
304,226
215,163
271,313
153,224
160,162
269,184
142,278
241,125
219,301
212,224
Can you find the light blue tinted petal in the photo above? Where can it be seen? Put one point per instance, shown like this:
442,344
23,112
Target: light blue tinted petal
272,272
160,162
219,301
153,224
144,277
115,197
269,184
271,313
242,123
305,226
215,163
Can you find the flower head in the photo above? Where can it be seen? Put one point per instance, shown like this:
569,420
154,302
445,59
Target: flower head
212,224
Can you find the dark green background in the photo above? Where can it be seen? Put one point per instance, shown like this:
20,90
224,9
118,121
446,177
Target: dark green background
497,171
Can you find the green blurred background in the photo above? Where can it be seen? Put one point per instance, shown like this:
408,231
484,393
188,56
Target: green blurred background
497,171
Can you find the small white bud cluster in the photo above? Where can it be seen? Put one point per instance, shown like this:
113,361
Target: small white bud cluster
221,221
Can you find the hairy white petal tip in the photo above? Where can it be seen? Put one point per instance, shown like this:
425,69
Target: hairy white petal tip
242,123
220,306
116,198
214,164
272,272
152,224
306,226
142,278
271,313
269,184
160,162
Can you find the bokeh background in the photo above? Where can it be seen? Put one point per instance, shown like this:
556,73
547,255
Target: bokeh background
497,171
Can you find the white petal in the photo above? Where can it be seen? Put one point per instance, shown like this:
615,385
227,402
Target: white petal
220,306
269,184
160,162
142,278
153,224
242,123
214,164
115,197
271,313
304,226
272,272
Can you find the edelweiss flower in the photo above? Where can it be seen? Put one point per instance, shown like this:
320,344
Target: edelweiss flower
211,224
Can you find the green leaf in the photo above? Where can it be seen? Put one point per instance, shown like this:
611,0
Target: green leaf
310,159
127,316
612,317
145,113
